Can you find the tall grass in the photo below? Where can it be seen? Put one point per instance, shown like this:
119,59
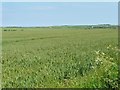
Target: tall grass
60,58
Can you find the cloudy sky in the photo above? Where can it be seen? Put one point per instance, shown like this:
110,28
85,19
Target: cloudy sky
58,13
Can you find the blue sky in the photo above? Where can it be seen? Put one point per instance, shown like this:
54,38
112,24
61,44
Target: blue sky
58,13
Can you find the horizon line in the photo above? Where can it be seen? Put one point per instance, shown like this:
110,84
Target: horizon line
62,25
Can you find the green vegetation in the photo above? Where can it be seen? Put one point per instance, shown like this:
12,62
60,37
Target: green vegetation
60,57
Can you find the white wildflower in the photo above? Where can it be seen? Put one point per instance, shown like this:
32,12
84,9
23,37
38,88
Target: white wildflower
101,62
92,67
96,60
97,52
103,53
106,57
111,58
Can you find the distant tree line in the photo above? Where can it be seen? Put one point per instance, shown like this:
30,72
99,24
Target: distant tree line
11,29
102,26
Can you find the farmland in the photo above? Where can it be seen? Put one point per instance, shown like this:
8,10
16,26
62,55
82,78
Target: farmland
59,57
